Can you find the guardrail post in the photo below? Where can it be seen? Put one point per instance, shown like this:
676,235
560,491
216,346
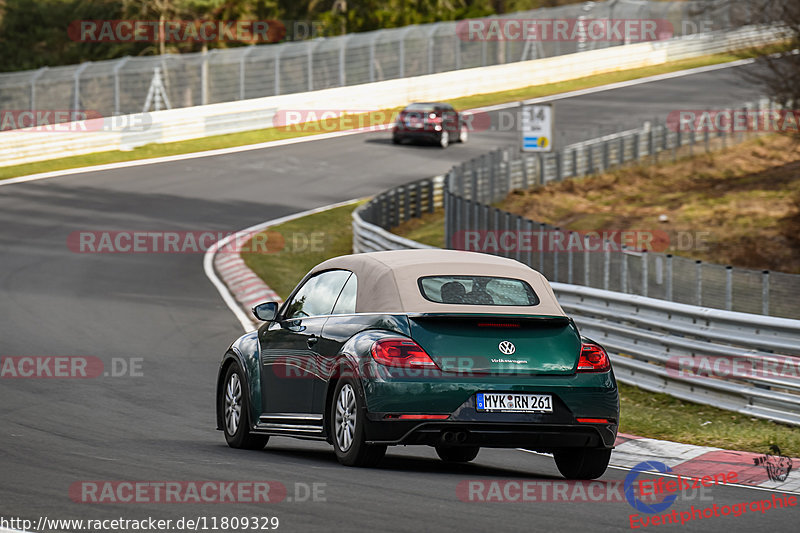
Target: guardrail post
204,79
669,277
728,287
606,264
506,228
574,162
519,234
406,203
605,155
117,66
242,60
699,279
621,150
645,277
765,292
636,155
432,198
277,73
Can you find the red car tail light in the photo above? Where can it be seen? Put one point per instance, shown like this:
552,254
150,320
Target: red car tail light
403,353
593,359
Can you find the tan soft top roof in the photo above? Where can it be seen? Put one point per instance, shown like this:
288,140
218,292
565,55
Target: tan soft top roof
387,281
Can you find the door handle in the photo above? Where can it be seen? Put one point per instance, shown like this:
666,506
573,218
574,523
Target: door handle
312,340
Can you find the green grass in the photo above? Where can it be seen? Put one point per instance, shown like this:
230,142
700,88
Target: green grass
378,117
308,241
661,416
642,413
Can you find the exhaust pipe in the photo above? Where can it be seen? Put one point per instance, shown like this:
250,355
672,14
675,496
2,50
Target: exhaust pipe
461,437
448,436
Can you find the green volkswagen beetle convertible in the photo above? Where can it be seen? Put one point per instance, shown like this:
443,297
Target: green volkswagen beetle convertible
451,349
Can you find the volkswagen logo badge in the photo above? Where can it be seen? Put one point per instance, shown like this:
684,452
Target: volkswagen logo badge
507,348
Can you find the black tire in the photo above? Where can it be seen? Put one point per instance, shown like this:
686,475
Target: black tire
444,139
457,454
582,463
396,139
233,396
347,411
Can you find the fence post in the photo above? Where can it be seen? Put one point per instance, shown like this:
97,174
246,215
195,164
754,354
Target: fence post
765,292
343,60
541,168
574,162
277,74
729,287
623,271
555,258
519,233
699,278
645,277
606,155
586,260
606,264
76,95
529,229
117,66
401,56
541,248
242,91
36,75
447,224
669,277
636,155
204,78
310,65
559,170
569,260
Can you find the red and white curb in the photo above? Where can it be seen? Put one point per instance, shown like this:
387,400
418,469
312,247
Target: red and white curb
239,287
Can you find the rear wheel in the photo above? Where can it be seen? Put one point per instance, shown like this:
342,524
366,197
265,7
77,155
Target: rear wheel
457,454
582,463
235,408
444,139
347,421
395,139
463,134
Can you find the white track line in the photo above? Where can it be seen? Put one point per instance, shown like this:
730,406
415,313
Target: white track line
208,259
336,134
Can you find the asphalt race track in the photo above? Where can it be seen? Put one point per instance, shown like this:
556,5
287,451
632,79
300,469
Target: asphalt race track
160,313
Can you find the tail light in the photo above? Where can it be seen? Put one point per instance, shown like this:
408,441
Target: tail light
433,118
403,353
593,359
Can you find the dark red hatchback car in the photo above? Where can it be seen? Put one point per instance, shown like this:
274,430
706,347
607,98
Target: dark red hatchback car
430,122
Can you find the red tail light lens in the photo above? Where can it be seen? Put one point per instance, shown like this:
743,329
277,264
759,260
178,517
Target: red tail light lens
403,353
593,359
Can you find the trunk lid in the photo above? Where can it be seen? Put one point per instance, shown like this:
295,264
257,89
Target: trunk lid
498,344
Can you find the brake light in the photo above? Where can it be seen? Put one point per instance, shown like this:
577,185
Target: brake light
593,420
498,324
401,353
593,359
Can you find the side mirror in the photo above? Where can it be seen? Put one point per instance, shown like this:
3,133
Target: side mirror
266,311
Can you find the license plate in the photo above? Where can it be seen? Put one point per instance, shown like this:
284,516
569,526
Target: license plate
414,123
514,403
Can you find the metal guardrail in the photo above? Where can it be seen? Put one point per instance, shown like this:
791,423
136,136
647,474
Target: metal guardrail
656,344
222,75
668,347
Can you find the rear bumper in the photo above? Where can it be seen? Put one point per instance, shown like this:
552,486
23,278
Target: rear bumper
539,437
418,135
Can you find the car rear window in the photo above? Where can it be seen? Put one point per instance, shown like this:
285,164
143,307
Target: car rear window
425,108
477,290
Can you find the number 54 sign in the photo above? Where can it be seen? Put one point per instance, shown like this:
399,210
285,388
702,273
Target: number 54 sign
537,127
